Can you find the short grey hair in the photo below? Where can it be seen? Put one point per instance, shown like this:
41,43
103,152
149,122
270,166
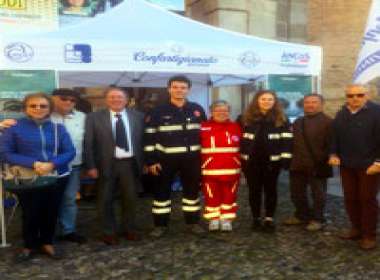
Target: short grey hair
218,103
363,87
111,88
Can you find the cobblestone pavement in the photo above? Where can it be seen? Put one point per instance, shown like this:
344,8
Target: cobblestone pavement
290,253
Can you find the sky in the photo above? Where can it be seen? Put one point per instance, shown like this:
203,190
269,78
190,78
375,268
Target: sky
177,5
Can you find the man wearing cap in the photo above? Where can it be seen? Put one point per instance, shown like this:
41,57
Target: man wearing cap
74,121
356,149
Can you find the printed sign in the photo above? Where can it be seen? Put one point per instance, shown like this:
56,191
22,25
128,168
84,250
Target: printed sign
31,14
15,84
13,4
290,90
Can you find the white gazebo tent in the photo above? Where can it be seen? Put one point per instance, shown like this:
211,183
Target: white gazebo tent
137,44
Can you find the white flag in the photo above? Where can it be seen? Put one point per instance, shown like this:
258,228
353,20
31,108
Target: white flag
368,65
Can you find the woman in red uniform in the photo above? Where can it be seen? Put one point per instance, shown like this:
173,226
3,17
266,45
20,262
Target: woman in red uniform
220,141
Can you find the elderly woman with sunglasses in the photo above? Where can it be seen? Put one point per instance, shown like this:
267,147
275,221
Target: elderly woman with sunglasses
32,143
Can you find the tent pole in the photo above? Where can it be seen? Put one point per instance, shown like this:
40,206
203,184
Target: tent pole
4,243
319,84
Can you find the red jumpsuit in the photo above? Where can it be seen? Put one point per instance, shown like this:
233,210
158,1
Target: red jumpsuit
220,167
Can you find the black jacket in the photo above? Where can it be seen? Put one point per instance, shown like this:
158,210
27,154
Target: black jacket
278,142
356,137
170,130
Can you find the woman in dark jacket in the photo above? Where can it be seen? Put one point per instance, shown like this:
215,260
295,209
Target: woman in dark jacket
35,142
265,149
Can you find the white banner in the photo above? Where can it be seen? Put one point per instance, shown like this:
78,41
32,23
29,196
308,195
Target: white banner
368,65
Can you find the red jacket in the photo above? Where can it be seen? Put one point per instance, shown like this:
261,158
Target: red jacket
220,153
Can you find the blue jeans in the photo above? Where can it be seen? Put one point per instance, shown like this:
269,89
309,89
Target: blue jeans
69,208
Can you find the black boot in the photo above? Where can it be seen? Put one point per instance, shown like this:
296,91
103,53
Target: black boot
256,225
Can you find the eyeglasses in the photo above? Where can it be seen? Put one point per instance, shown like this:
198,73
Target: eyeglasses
39,106
65,98
220,111
358,95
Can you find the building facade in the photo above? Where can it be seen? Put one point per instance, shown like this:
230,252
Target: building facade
336,25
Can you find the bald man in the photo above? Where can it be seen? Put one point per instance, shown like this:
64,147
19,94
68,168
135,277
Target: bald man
356,150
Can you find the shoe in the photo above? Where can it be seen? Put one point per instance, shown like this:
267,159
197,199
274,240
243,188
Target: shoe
226,225
195,229
158,232
268,225
314,226
132,236
74,237
51,252
24,256
256,225
293,221
110,239
367,243
352,234
213,225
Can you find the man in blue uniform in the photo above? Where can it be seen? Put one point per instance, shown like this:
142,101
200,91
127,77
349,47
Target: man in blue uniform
172,147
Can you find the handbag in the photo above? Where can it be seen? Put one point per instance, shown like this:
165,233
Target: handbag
321,169
20,178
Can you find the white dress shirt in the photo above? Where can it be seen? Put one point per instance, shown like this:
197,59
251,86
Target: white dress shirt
74,123
120,152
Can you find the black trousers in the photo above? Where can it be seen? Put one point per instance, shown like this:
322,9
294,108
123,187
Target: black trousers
187,166
40,213
262,181
148,183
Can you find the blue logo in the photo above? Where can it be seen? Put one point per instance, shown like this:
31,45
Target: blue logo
78,53
19,52
176,59
372,34
249,59
367,63
295,59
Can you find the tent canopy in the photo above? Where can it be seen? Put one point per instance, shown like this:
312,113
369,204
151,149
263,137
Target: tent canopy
139,44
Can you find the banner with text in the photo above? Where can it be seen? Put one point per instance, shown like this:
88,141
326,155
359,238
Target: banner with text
15,84
368,65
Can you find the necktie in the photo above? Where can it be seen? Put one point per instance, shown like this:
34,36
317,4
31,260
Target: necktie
121,137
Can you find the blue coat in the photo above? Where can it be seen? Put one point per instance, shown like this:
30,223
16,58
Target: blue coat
28,142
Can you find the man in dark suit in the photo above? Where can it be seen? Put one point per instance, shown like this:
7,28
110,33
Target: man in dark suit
113,154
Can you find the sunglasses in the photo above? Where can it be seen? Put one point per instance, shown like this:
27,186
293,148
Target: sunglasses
65,98
359,95
39,106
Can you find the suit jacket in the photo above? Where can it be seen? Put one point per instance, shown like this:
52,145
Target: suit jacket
99,143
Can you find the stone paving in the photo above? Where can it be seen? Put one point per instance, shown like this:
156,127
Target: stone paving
290,253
